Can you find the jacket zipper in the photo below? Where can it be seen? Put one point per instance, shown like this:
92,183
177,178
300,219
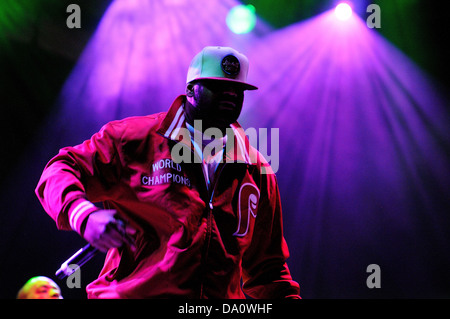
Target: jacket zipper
209,226
208,220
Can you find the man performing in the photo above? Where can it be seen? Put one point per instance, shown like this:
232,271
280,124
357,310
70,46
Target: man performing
206,226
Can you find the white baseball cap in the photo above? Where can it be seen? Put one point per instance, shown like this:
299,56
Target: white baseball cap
220,63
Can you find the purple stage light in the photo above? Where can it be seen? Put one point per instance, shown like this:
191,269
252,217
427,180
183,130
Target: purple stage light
364,156
137,60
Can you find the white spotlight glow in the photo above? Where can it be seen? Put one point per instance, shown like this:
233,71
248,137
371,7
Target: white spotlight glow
241,19
343,11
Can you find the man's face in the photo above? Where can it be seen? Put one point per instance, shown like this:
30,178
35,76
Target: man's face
217,103
43,288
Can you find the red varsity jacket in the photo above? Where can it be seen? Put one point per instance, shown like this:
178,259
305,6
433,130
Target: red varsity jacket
193,241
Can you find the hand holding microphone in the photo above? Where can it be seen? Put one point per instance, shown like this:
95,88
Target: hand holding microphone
104,231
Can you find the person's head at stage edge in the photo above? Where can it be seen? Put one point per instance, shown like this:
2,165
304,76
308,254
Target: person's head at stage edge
40,287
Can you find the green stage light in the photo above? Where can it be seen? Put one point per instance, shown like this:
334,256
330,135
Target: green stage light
241,19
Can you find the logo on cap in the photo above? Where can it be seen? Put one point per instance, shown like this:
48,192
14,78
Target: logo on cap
230,65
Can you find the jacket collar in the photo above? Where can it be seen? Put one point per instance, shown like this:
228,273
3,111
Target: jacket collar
174,127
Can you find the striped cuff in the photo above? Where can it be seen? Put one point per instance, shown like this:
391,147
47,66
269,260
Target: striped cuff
78,212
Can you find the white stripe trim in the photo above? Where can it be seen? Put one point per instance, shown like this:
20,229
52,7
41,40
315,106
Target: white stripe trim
241,144
174,122
78,212
174,134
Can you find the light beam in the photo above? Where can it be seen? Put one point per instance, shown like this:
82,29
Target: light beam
364,157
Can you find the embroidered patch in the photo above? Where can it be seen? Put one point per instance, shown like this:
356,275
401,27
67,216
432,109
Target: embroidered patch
230,65
248,204
165,171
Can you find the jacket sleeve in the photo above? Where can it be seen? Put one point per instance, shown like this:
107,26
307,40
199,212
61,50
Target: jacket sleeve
265,272
77,177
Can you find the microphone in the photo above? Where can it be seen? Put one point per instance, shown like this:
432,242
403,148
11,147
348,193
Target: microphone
76,261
